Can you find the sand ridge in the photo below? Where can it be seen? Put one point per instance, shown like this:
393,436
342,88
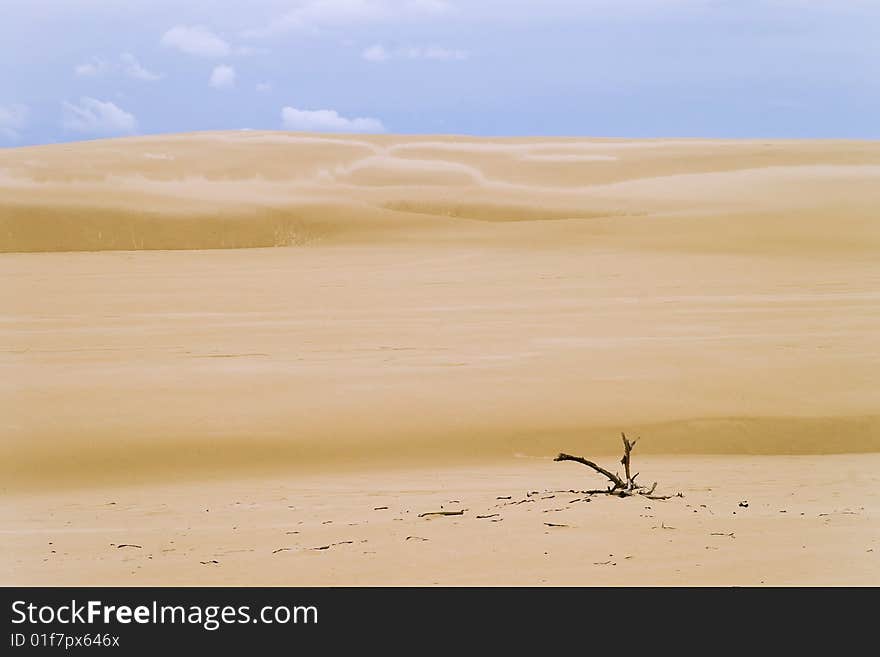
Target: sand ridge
250,189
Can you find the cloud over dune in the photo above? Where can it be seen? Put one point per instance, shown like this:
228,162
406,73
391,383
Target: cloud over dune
325,120
12,120
98,118
558,67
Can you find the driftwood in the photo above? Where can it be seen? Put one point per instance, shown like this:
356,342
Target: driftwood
620,487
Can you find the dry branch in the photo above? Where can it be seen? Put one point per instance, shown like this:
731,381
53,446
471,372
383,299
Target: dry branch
619,487
618,483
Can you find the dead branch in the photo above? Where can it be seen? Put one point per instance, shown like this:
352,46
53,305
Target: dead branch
441,513
617,481
620,487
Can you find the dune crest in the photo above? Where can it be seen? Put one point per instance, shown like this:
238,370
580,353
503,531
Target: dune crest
266,189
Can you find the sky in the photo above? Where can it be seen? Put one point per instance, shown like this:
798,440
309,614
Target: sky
85,69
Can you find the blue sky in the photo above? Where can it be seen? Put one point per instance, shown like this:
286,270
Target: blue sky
81,69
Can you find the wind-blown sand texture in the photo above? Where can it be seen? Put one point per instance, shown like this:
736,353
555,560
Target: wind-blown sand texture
430,308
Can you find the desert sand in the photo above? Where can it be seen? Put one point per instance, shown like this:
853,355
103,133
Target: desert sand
212,341
807,520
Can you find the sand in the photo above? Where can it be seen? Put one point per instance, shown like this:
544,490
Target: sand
806,520
229,321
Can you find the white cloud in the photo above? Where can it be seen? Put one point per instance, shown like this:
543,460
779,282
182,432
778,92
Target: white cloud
133,69
12,120
128,65
95,117
264,87
222,77
315,15
326,121
378,53
195,40
94,68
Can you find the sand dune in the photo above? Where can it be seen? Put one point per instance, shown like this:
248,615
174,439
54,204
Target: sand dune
247,189
440,299
145,365
434,305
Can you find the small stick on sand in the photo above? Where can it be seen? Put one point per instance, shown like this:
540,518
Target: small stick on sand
441,513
